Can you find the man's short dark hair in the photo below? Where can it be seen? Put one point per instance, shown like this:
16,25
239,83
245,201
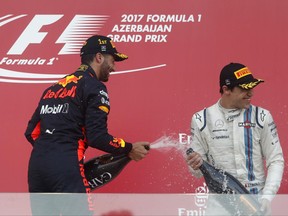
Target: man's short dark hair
229,87
87,59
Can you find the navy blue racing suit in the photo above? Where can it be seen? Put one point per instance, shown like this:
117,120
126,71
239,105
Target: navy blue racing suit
71,115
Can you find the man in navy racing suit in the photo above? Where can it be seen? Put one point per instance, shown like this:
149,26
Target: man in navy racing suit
72,115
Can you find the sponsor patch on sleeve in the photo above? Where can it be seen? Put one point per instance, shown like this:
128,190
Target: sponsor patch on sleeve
117,142
104,109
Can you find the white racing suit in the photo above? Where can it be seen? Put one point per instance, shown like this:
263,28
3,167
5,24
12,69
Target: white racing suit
239,141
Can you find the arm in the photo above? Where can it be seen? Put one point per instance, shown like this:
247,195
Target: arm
33,128
96,115
199,146
273,154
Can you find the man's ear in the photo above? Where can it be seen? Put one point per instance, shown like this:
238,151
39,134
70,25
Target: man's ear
225,89
99,58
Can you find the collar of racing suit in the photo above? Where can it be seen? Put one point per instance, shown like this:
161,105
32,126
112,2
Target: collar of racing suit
88,68
229,114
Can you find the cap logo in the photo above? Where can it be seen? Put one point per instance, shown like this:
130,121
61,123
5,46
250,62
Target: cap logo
251,84
227,82
112,44
101,42
103,49
242,73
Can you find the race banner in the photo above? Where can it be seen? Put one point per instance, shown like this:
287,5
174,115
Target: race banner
176,51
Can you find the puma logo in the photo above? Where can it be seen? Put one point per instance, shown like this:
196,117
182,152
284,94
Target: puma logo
49,132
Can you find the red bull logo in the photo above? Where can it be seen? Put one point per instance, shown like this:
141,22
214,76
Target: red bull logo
68,79
117,142
61,93
120,141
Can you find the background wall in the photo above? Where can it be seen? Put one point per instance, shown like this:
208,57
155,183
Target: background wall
176,52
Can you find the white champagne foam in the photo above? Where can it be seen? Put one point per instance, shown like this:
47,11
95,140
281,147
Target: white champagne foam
167,143
175,154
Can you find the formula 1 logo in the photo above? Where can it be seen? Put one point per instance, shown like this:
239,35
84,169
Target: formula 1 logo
79,29
70,42
72,38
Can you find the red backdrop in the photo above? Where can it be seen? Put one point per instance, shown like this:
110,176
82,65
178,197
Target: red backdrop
176,50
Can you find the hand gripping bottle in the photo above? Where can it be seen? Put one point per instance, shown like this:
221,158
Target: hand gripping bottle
103,169
221,182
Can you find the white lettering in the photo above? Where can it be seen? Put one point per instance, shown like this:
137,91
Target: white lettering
184,138
8,61
51,61
142,28
125,38
187,212
98,181
181,211
104,101
60,108
132,17
3,60
155,38
170,18
102,92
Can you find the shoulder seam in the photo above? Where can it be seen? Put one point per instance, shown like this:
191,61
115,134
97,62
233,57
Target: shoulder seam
204,119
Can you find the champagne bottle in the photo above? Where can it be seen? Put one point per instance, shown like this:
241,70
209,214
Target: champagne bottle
222,182
104,168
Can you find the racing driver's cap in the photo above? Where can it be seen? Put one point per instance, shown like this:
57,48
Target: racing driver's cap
235,74
101,44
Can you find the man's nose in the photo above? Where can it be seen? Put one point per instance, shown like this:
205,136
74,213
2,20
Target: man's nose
250,92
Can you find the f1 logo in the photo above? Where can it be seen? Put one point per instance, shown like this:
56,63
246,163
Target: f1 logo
70,37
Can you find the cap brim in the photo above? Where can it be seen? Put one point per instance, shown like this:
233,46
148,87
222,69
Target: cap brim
251,85
119,56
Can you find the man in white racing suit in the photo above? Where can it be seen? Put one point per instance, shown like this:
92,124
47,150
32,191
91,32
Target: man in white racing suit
238,137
